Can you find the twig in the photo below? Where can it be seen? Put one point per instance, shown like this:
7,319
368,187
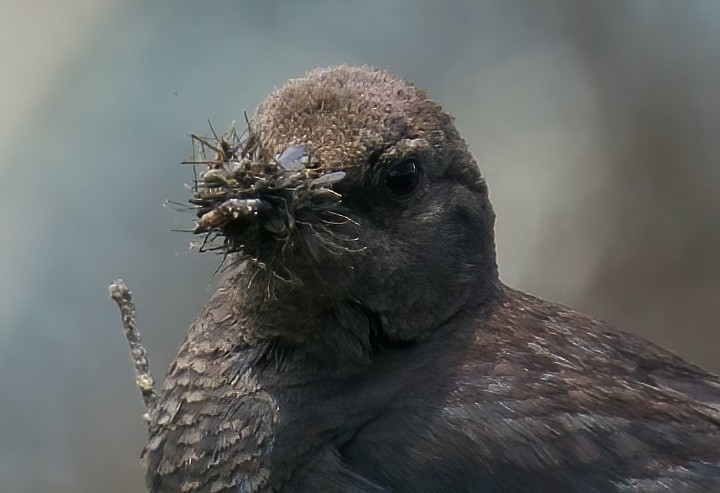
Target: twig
120,293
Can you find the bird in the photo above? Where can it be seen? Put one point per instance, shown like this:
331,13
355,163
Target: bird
361,340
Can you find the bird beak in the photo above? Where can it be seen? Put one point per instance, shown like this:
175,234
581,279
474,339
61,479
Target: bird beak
250,198
240,212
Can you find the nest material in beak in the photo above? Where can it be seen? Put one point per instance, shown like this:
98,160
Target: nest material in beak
244,186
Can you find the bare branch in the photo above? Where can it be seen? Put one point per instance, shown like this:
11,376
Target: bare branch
120,293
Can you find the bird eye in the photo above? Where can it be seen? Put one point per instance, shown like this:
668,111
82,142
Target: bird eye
403,177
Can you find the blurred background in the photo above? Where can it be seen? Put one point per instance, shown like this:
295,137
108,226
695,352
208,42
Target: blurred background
597,125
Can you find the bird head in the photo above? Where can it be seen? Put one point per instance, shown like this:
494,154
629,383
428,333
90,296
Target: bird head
351,198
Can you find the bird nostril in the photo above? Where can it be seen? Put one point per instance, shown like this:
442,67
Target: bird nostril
274,219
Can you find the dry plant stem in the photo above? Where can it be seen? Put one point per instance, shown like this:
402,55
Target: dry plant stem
120,293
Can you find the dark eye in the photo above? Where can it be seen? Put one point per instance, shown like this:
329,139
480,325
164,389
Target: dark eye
403,177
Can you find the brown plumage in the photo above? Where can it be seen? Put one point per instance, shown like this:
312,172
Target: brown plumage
362,341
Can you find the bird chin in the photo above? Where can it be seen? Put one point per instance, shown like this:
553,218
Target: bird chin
273,252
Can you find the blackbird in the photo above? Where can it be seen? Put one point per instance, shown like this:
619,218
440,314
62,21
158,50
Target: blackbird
361,340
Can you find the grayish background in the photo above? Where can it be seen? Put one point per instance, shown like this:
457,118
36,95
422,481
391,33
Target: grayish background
597,125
